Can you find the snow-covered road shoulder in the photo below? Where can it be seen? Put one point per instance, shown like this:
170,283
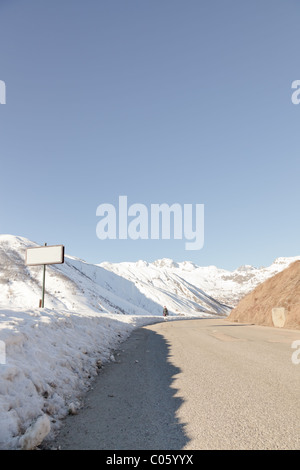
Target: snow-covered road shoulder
49,360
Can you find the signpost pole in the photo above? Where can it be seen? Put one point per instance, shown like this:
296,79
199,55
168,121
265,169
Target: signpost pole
43,290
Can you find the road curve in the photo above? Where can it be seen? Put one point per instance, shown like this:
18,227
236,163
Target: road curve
193,384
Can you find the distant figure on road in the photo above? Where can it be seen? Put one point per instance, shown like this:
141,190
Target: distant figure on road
165,312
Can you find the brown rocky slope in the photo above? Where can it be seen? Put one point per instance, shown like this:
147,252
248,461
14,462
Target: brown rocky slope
281,290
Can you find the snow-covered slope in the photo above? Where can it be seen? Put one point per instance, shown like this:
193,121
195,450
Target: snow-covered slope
181,279
137,288
77,285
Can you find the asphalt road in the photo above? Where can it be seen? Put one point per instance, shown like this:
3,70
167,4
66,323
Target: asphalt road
193,384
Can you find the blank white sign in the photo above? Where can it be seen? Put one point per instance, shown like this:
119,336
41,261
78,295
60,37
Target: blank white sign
45,255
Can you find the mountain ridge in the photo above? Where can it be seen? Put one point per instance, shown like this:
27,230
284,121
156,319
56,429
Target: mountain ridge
76,284
139,287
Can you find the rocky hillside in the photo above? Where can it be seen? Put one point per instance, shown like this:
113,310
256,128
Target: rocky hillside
279,291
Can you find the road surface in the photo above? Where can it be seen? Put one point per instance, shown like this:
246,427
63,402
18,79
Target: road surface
193,384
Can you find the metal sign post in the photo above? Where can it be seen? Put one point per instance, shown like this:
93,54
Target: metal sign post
43,289
43,255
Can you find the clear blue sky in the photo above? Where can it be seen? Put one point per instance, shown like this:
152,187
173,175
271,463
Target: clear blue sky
163,101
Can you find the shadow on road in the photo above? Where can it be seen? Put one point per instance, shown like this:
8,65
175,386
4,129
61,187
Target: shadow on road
133,404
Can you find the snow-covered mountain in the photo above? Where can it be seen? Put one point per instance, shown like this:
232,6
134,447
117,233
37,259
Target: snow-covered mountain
210,282
139,289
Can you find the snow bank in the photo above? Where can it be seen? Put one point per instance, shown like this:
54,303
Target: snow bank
36,433
51,358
